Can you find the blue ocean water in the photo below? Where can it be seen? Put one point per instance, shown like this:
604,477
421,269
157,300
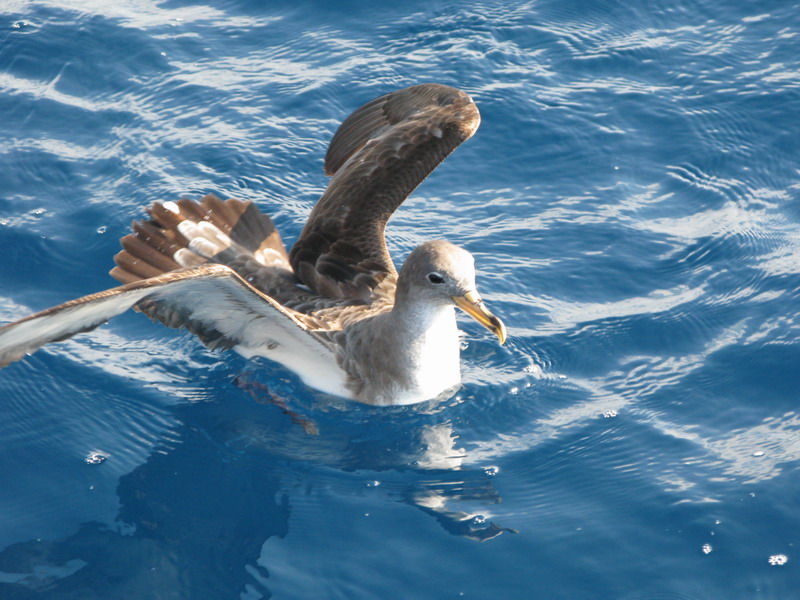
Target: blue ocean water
632,198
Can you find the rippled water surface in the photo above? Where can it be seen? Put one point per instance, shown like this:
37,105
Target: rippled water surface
632,198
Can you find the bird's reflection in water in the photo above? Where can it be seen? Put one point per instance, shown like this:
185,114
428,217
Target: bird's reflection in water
194,517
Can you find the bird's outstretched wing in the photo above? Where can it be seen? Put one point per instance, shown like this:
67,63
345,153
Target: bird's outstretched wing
378,156
209,300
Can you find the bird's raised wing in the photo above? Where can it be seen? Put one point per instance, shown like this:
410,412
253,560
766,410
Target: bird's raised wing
210,300
378,156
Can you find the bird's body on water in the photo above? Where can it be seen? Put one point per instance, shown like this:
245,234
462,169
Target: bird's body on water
334,309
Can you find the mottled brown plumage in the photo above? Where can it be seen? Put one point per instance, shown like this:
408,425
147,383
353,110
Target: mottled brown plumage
378,156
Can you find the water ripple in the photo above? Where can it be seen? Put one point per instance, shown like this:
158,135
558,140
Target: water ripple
632,201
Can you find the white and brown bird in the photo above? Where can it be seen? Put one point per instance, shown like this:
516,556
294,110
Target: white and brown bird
334,310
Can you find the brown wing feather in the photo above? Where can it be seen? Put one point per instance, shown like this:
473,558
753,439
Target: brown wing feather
151,249
378,156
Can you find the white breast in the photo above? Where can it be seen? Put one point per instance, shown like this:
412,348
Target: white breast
435,359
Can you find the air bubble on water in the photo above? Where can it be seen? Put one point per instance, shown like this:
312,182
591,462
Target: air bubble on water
38,212
102,229
514,391
707,548
609,414
373,484
777,560
534,370
23,27
491,471
758,453
479,519
95,458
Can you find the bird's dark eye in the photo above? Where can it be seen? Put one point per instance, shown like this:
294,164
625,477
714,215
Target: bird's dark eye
435,278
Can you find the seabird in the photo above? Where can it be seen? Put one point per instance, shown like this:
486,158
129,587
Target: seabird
334,310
